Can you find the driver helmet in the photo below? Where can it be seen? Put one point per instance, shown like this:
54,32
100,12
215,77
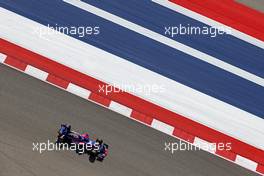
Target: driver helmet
85,136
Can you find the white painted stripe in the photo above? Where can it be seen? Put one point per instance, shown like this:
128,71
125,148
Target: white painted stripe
79,91
204,145
236,33
2,57
178,98
37,73
167,41
242,161
163,127
121,109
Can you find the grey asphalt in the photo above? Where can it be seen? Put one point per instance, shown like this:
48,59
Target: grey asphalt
31,111
256,4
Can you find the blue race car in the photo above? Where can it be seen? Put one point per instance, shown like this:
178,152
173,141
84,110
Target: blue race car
96,149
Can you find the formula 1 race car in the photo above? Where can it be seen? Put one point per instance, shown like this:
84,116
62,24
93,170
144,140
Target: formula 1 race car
96,149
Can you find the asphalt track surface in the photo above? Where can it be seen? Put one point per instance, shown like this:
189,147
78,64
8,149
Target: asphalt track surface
256,4
31,111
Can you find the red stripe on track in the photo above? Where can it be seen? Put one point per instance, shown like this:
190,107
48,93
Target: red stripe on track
58,81
230,13
260,169
131,101
226,154
100,99
183,135
141,117
15,63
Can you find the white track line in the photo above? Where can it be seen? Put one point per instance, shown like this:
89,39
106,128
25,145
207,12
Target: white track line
121,109
35,72
165,128
2,58
77,90
242,161
207,146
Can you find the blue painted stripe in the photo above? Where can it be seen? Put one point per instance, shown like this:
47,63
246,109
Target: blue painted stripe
148,53
155,17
